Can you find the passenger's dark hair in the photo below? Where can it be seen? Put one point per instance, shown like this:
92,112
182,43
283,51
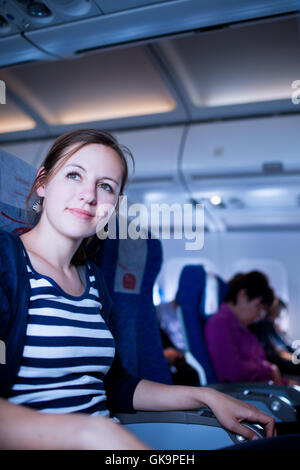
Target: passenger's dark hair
282,305
60,152
255,283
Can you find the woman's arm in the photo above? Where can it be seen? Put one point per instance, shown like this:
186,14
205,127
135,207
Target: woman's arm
151,396
23,428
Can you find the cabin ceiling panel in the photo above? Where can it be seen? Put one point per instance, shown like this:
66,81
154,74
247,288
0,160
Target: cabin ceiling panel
14,119
236,66
100,87
123,87
155,152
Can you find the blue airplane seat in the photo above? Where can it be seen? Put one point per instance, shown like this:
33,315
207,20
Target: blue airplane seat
189,297
16,178
130,268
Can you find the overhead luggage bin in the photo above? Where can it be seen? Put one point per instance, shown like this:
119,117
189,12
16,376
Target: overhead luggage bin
129,24
15,49
249,147
155,151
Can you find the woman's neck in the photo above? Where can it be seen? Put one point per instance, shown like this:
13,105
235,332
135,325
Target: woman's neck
51,246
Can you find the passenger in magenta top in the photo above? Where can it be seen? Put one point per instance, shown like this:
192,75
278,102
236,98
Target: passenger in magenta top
236,353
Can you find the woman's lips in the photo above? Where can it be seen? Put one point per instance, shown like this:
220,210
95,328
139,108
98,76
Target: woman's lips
81,213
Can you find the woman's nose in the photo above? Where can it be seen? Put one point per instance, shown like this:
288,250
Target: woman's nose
89,194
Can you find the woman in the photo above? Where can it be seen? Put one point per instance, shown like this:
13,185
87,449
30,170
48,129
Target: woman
277,349
54,321
236,353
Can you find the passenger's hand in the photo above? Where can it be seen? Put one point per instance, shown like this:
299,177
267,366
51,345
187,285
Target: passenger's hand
230,412
276,376
173,356
292,382
286,355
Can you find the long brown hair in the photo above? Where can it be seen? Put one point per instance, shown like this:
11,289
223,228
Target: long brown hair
59,154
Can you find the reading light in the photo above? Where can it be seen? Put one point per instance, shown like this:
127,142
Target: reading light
216,200
39,10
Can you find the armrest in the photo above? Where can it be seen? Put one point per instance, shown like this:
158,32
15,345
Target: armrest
266,399
180,430
290,392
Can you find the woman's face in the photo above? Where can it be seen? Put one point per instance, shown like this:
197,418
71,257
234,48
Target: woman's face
81,196
250,310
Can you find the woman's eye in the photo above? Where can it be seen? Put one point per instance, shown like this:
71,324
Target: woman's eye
106,187
73,175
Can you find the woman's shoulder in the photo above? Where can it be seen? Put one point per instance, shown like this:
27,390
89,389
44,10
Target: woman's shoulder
7,235
9,265
10,256
8,243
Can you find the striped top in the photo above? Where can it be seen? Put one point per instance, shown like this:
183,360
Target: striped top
68,349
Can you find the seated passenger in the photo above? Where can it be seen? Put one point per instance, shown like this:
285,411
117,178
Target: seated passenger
174,345
61,365
276,347
236,353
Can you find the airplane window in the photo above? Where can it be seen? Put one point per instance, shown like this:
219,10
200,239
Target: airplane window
211,294
157,294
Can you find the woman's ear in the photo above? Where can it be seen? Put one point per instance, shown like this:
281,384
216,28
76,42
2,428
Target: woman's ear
41,189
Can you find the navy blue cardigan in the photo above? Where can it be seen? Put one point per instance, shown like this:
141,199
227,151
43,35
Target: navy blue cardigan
14,302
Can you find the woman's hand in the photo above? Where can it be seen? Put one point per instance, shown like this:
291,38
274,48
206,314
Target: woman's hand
173,356
230,412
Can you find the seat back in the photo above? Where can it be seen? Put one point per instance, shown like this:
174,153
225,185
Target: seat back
130,268
189,297
16,178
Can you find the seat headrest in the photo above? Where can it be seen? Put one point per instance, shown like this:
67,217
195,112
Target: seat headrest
16,178
191,285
